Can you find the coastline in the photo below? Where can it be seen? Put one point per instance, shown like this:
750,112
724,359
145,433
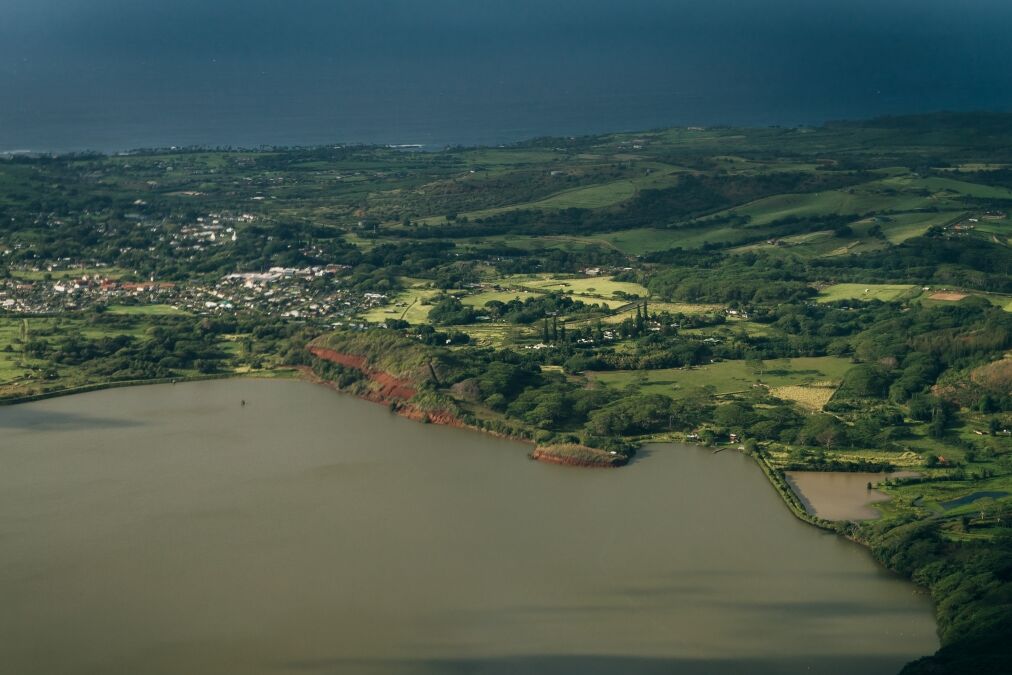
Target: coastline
116,384
544,454
442,417
396,392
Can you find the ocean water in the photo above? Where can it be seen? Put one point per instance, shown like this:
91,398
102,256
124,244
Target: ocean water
113,75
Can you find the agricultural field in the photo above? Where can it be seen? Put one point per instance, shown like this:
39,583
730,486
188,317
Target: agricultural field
899,228
479,299
883,292
855,201
602,287
811,397
641,241
670,307
498,335
597,196
728,377
411,305
732,327
144,309
945,296
763,217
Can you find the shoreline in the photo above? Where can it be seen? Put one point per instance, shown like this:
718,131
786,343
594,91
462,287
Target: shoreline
444,418
395,393
775,477
116,384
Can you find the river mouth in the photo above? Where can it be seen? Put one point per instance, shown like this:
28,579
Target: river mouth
169,529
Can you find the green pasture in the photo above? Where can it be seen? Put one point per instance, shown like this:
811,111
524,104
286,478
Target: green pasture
409,305
640,241
670,307
479,299
161,310
727,377
604,287
858,200
883,292
898,228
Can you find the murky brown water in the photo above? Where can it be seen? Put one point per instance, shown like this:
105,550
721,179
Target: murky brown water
169,530
841,495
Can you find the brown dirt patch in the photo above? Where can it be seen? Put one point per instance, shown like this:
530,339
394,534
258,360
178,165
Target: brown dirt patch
388,387
947,296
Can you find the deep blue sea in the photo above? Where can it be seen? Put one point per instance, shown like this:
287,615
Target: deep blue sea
116,74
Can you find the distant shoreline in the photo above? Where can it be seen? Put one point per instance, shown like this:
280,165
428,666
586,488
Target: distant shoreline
524,138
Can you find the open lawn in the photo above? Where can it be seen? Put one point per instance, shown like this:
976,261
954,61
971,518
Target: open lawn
603,287
883,292
144,309
727,377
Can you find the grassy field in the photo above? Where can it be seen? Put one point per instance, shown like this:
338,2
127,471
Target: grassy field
604,287
498,334
144,309
12,366
899,228
17,372
479,299
952,185
408,305
648,240
948,296
883,292
860,200
656,175
810,397
637,241
731,376
671,307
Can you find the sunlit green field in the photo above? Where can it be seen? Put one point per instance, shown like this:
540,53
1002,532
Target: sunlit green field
883,292
410,305
727,377
670,307
605,287
145,309
479,299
